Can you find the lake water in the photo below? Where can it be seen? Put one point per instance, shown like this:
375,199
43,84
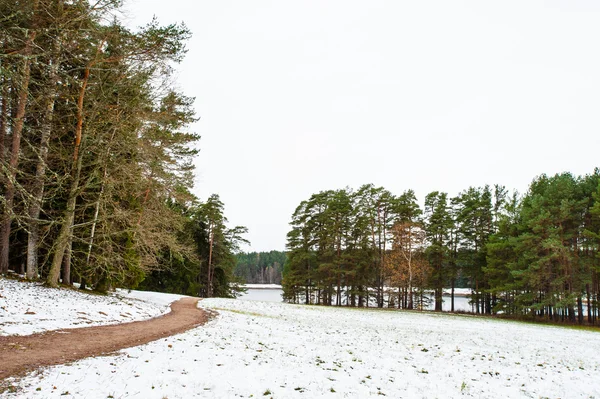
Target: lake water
461,303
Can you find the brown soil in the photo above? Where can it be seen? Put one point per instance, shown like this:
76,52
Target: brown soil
20,354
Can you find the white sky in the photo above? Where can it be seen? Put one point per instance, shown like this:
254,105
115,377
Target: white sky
301,96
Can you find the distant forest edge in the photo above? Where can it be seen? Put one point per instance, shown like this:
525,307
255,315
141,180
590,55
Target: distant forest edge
260,267
535,256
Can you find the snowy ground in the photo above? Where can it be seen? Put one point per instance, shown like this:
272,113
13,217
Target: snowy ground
259,349
27,308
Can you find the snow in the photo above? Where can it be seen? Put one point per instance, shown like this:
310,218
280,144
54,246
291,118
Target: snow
151,298
27,308
458,291
261,349
263,286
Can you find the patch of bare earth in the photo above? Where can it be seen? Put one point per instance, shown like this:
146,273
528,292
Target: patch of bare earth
21,354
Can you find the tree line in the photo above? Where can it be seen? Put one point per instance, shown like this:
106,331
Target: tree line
534,255
95,152
260,267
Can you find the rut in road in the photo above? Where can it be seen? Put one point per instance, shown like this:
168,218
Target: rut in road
20,354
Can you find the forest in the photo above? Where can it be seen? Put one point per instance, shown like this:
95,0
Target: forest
260,267
532,256
96,155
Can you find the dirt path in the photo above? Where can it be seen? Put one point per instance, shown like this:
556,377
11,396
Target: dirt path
19,354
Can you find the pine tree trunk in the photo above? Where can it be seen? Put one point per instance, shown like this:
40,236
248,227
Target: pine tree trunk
9,194
307,294
361,300
589,304
571,314
410,286
210,272
40,170
93,231
62,242
100,196
66,269
438,299
452,296
3,123
3,120
476,296
339,292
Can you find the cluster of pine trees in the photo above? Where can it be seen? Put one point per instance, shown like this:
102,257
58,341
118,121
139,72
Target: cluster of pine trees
95,156
260,267
210,272
535,255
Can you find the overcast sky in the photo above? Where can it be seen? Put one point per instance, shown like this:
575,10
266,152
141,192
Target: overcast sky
301,96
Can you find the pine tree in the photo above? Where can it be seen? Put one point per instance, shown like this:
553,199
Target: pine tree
438,225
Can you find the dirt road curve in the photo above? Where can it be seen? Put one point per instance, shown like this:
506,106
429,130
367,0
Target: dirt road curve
26,353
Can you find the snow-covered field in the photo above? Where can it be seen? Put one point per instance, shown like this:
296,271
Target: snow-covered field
260,349
27,308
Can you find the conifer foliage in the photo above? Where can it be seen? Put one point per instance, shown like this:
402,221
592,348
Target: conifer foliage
260,267
95,152
535,256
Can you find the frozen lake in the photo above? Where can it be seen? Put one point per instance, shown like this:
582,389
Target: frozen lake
266,295
461,303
